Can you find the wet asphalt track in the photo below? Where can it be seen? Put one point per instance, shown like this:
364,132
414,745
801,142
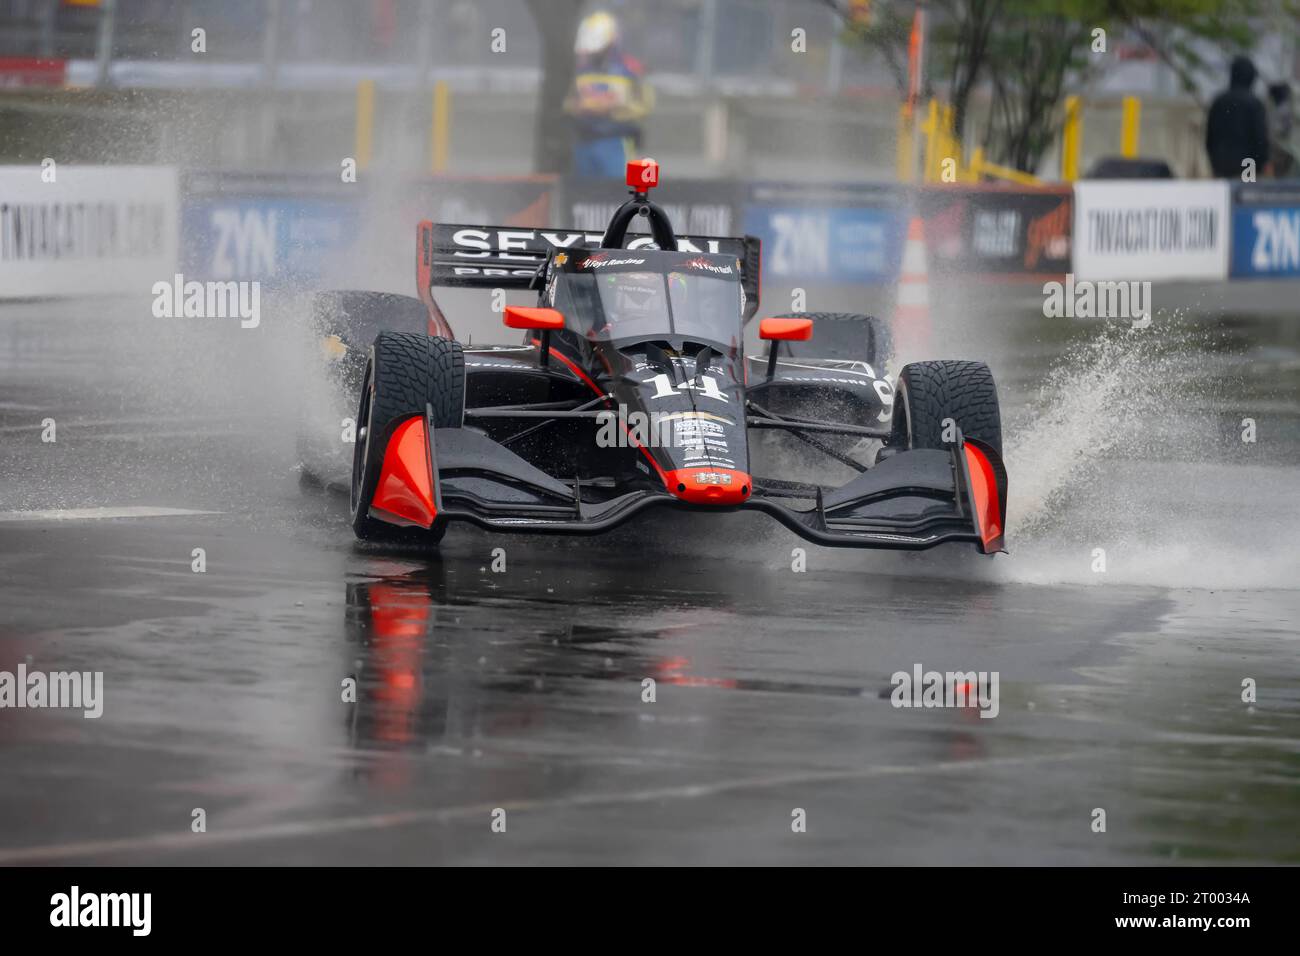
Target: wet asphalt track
522,690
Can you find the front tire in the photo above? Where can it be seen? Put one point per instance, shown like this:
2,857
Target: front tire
405,372
928,394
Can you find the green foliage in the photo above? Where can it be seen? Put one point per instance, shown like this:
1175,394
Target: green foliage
1029,54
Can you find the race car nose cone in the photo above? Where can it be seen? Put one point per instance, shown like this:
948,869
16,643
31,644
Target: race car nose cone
709,486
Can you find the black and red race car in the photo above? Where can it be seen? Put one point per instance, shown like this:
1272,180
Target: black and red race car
631,390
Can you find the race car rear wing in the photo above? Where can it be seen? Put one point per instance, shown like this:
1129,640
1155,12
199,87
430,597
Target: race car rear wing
507,257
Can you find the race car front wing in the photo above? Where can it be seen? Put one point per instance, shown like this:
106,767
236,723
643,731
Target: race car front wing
912,500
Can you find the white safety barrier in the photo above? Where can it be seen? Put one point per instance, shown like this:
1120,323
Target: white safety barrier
86,230
1151,230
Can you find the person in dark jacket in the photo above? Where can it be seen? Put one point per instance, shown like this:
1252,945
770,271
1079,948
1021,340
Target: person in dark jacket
1237,126
1281,128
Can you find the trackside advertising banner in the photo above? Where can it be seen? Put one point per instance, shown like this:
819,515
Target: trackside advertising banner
264,238
696,207
86,229
1266,230
265,227
1151,230
998,230
831,233
305,229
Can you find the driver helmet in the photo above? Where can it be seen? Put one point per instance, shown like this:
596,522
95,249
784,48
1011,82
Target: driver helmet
596,34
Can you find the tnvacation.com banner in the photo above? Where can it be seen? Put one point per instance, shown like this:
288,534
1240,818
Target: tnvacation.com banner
95,229
1151,230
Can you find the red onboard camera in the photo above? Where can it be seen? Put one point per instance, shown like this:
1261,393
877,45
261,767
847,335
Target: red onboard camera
642,174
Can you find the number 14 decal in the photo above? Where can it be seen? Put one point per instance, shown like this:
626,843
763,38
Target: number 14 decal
708,387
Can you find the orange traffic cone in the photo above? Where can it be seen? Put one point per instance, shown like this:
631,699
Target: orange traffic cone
912,313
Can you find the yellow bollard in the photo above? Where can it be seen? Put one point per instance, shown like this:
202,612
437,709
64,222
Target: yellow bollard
365,122
931,130
947,142
906,131
955,148
1071,140
440,127
1130,127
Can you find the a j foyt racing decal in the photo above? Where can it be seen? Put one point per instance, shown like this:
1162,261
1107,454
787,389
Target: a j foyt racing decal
599,260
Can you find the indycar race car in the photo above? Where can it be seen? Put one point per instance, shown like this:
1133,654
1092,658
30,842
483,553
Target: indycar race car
631,390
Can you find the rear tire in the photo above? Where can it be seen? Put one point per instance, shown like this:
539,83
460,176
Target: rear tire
406,372
356,316
929,393
846,335
343,324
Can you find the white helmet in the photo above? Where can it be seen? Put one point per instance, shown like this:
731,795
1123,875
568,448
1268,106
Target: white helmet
597,33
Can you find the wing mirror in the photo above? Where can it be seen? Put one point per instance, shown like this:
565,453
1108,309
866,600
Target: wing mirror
525,317
777,331
798,330
540,319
